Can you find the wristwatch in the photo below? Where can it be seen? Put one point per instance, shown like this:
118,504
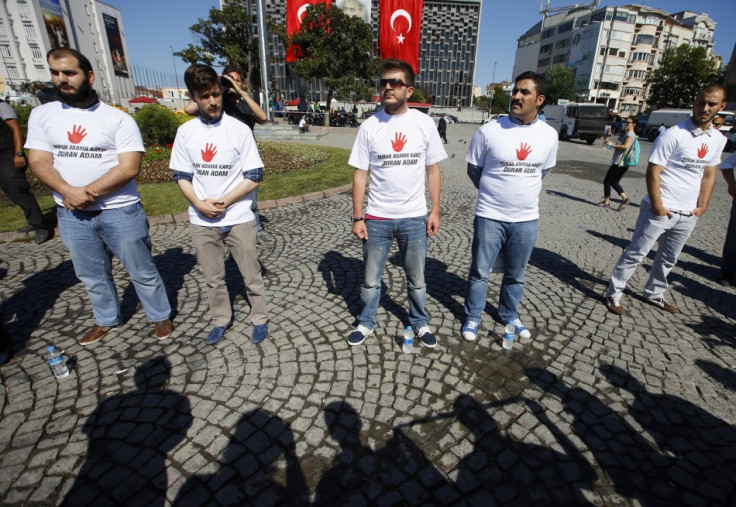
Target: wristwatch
359,219
20,154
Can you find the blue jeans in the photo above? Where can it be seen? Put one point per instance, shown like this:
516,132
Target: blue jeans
92,238
515,241
411,235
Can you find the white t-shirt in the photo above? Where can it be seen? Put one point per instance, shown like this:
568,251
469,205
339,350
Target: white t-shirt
684,151
512,157
85,144
397,149
216,154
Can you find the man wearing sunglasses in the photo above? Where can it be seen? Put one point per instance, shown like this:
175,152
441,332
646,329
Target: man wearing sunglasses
399,146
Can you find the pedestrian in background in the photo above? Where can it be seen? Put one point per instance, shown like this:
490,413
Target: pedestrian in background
618,164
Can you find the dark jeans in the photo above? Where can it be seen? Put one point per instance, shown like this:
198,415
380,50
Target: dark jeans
15,185
612,179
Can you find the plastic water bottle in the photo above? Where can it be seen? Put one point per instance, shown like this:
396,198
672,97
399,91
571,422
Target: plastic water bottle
408,345
56,361
508,337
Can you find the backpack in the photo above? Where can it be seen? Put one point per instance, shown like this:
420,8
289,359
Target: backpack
632,156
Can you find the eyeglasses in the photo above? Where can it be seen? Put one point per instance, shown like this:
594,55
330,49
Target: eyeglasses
394,82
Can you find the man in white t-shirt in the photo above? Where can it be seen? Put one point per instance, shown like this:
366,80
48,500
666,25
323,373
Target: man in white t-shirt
507,160
728,262
680,178
217,167
89,154
401,148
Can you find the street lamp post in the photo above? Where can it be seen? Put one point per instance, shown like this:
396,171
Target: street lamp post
176,76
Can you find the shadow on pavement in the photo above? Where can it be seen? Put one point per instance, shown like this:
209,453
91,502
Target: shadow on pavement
725,376
343,276
567,272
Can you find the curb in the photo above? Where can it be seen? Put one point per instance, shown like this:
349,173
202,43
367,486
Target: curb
9,237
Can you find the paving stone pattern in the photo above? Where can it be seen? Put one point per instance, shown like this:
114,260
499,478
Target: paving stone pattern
594,409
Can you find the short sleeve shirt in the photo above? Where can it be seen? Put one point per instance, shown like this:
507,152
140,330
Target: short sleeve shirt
397,149
729,163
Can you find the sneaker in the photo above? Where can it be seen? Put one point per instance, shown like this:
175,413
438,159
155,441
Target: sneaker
358,336
427,337
664,305
614,306
216,334
470,330
163,329
521,329
260,333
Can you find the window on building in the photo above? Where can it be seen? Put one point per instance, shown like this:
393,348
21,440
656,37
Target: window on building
2,28
619,35
616,70
549,32
36,51
5,50
543,62
625,17
644,39
30,31
12,72
607,85
613,51
637,74
23,8
565,27
603,50
41,73
562,43
560,58
547,48
598,15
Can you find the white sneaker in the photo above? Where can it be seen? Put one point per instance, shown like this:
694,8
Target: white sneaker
521,329
470,330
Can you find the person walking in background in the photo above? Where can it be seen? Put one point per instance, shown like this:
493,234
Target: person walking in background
442,127
680,178
507,160
618,164
89,154
398,146
728,261
217,167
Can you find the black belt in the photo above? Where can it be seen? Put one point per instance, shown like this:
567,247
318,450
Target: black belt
681,212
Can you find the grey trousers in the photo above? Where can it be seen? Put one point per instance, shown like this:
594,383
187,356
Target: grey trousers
209,244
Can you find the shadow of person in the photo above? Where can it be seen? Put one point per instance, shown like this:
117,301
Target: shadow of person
700,446
569,196
567,272
628,461
725,376
507,471
25,309
343,276
129,437
443,285
259,467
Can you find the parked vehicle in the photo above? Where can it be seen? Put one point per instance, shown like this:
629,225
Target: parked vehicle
671,117
577,120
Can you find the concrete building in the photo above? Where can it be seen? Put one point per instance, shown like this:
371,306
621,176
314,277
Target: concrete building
30,28
730,80
612,49
447,58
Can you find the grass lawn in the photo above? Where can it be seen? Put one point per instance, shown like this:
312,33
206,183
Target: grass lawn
291,169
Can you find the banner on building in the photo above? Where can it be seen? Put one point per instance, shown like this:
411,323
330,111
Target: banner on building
356,8
400,30
295,10
53,18
119,64
582,54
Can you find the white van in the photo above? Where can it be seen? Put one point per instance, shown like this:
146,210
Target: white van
583,121
671,117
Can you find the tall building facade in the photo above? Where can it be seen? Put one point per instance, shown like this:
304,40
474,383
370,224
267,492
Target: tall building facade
30,28
447,55
612,49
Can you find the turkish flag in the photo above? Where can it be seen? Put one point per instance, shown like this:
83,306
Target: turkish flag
295,10
401,30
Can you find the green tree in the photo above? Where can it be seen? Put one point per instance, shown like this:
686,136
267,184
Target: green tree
560,83
336,48
500,102
226,38
23,112
683,72
157,124
482,102
419,96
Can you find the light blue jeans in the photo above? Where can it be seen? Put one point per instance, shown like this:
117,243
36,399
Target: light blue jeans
515,240
92,238
670,233
411,236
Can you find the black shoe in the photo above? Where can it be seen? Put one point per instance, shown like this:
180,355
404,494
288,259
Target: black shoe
43,235
27,228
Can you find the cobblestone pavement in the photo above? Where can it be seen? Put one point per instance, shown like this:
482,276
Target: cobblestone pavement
593,409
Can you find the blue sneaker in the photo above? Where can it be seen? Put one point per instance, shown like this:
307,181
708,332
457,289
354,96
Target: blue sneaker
216,334
521,329
427,337
358,336
470,330
260,333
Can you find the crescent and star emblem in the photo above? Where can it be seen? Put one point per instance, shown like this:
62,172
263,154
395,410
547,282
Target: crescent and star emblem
300,12
400,13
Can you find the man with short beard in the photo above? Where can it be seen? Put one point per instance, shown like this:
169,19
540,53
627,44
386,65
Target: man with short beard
89,154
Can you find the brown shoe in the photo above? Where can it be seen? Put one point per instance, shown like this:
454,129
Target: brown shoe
614,306
94,334
162,329
664,305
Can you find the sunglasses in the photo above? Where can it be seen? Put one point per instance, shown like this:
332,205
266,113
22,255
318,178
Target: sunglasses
394,82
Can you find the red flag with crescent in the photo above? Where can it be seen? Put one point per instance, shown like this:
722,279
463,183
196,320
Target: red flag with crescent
401,30
295,10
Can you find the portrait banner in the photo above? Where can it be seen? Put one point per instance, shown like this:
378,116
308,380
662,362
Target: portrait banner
119,64
53,19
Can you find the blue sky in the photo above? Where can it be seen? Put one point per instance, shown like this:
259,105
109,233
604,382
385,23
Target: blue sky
152,26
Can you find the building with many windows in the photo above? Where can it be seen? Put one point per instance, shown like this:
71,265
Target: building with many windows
30,28
612,49
447,57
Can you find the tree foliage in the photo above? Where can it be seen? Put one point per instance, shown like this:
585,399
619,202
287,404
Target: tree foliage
418,96
684,70
482,102
157,124
500,103
226,38
560,83
336,48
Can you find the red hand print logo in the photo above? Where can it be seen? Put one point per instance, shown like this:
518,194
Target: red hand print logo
209,152
77,134
399,141
703,151
523,151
